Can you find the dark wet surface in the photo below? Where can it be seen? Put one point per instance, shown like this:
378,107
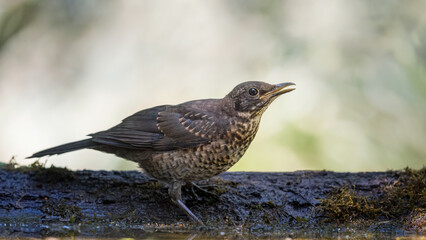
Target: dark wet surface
128,204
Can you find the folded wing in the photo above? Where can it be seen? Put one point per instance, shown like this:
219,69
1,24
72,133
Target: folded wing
160,128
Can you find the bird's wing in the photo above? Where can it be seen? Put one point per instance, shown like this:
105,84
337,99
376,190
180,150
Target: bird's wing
160,128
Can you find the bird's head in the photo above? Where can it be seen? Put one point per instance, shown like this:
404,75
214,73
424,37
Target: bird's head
252,98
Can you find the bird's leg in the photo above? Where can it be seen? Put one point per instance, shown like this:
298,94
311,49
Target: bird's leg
201,190
175,193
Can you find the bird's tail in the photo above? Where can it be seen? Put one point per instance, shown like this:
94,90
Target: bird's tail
68,147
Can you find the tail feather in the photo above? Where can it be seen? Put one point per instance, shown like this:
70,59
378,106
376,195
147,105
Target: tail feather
68,147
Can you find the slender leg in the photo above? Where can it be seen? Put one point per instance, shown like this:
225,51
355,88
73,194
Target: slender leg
175,193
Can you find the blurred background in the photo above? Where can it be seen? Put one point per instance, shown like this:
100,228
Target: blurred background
73,67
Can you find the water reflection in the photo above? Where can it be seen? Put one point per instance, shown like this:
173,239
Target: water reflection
116,231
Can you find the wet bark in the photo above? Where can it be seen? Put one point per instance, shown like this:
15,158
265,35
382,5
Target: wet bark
40,198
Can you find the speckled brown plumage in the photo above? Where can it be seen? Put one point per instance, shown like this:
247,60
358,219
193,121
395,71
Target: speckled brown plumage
187,142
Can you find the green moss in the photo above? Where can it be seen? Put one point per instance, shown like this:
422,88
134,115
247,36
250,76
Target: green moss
343,205
405,194
397,200
40,171
11,165
153,185
219,190
71,212
302,220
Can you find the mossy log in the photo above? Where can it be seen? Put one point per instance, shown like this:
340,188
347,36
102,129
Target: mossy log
34,199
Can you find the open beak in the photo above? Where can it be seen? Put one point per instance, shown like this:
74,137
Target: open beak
280,89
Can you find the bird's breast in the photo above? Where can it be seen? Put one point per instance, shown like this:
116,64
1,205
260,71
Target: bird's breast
205,160
241,133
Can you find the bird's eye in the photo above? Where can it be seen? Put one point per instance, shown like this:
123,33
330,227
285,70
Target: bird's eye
253,91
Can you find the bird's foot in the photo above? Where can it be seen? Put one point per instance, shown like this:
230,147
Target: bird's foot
194,187
175,193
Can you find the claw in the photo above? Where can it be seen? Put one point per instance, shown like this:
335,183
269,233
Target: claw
202,191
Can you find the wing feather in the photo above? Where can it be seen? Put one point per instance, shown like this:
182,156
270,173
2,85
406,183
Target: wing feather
160,128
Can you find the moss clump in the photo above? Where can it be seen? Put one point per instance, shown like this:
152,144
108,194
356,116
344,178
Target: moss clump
404,195
397,200
40,171
11,165
343,205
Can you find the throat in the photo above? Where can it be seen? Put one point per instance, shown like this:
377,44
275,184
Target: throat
242,132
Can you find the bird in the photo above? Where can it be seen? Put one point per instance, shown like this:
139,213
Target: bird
187,142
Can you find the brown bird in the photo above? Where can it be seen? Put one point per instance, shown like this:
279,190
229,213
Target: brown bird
195,140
